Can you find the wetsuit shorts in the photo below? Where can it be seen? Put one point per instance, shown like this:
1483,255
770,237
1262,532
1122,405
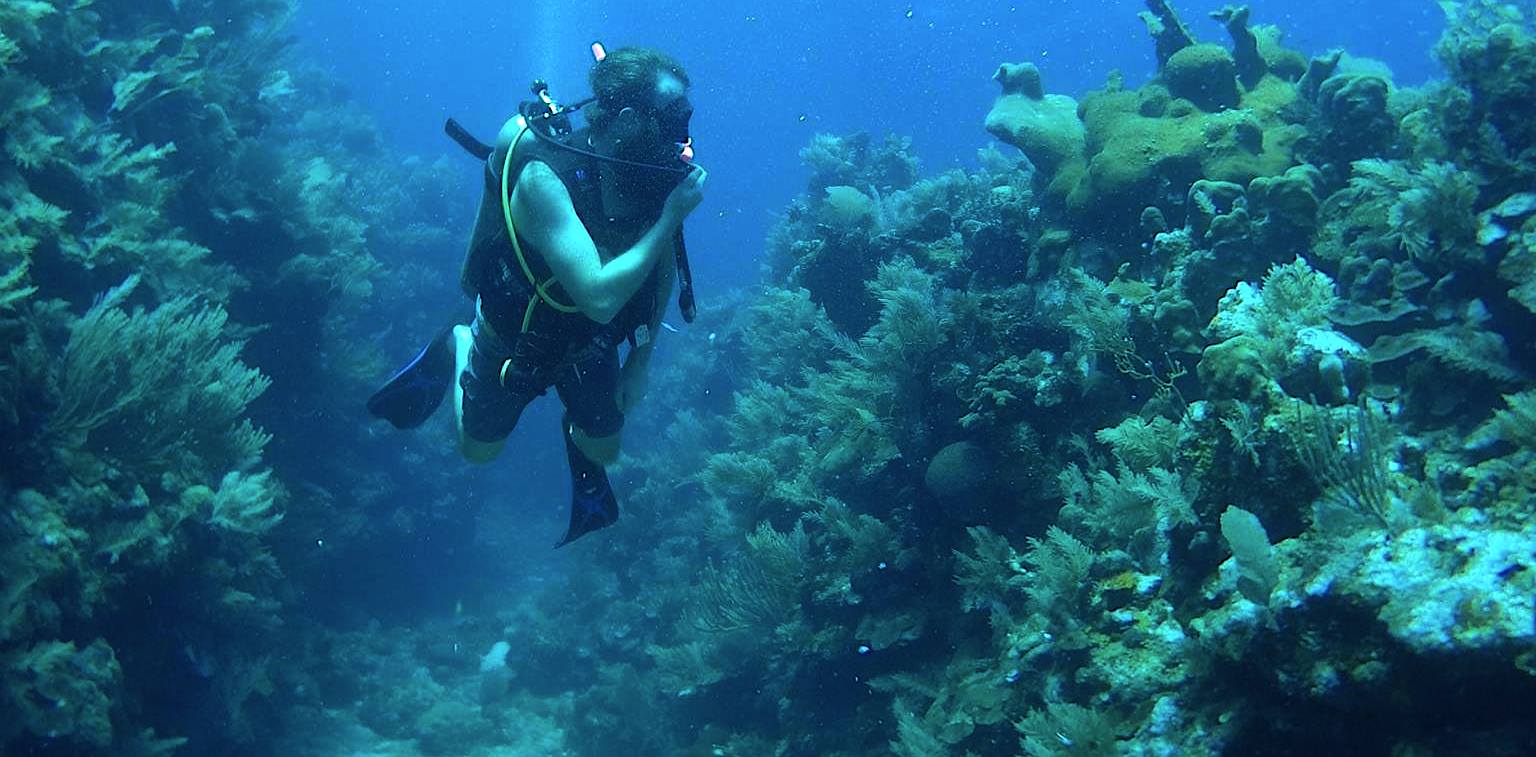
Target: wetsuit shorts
503,378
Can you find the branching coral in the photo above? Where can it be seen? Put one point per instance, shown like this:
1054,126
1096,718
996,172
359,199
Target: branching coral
1293,297
803,336
756,422
1143,444
246,503
1245,428
30,138
1350,464
26,221
161,389
1466,348
853,545
1129,511
1436,217
1103,327
167,74
757,590
1059,569
864,403
859,162
334,234
1000,393
1297,295
913,320
1284,325
1100,323
13,288
1428,212
1063,729
859,422
742,478
913,737
965,697
130,225
683,669
1515,424
989,572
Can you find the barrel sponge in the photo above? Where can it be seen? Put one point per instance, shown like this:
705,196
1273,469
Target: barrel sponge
1045,127
958,472
1205,75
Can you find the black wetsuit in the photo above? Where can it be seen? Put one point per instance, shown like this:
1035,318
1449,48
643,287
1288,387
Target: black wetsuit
509,366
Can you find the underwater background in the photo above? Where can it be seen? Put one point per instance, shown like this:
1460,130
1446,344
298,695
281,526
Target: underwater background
1070,379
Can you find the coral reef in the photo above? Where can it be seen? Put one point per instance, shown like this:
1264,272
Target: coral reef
1189,460
1045,127
170,242
1211,113
1198,418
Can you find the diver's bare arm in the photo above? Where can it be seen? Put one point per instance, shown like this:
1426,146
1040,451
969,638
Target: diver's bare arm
545,216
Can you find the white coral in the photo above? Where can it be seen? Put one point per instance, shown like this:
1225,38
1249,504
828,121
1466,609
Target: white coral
246,503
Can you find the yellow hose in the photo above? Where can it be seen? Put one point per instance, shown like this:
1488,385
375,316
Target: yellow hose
540,290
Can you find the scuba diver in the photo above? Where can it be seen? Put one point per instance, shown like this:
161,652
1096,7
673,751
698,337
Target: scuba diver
575,250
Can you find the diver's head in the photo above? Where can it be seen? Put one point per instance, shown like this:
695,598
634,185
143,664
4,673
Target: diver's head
641,110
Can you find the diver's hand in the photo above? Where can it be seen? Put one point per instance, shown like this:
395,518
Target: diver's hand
687,195
631,389
634,377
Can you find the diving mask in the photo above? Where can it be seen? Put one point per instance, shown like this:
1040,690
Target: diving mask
672,121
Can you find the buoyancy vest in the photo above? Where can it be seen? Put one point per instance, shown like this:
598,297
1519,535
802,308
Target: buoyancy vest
518,293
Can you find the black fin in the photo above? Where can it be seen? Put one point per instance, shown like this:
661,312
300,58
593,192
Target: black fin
593,504
409,398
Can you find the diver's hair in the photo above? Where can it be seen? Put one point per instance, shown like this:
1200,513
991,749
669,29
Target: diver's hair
627,78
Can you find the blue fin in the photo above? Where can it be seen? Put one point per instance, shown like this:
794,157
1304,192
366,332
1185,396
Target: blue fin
410,396
593,504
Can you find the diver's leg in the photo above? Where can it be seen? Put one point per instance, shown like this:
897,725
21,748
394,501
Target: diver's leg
591,429
473,450
589,391
603,450
494,387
